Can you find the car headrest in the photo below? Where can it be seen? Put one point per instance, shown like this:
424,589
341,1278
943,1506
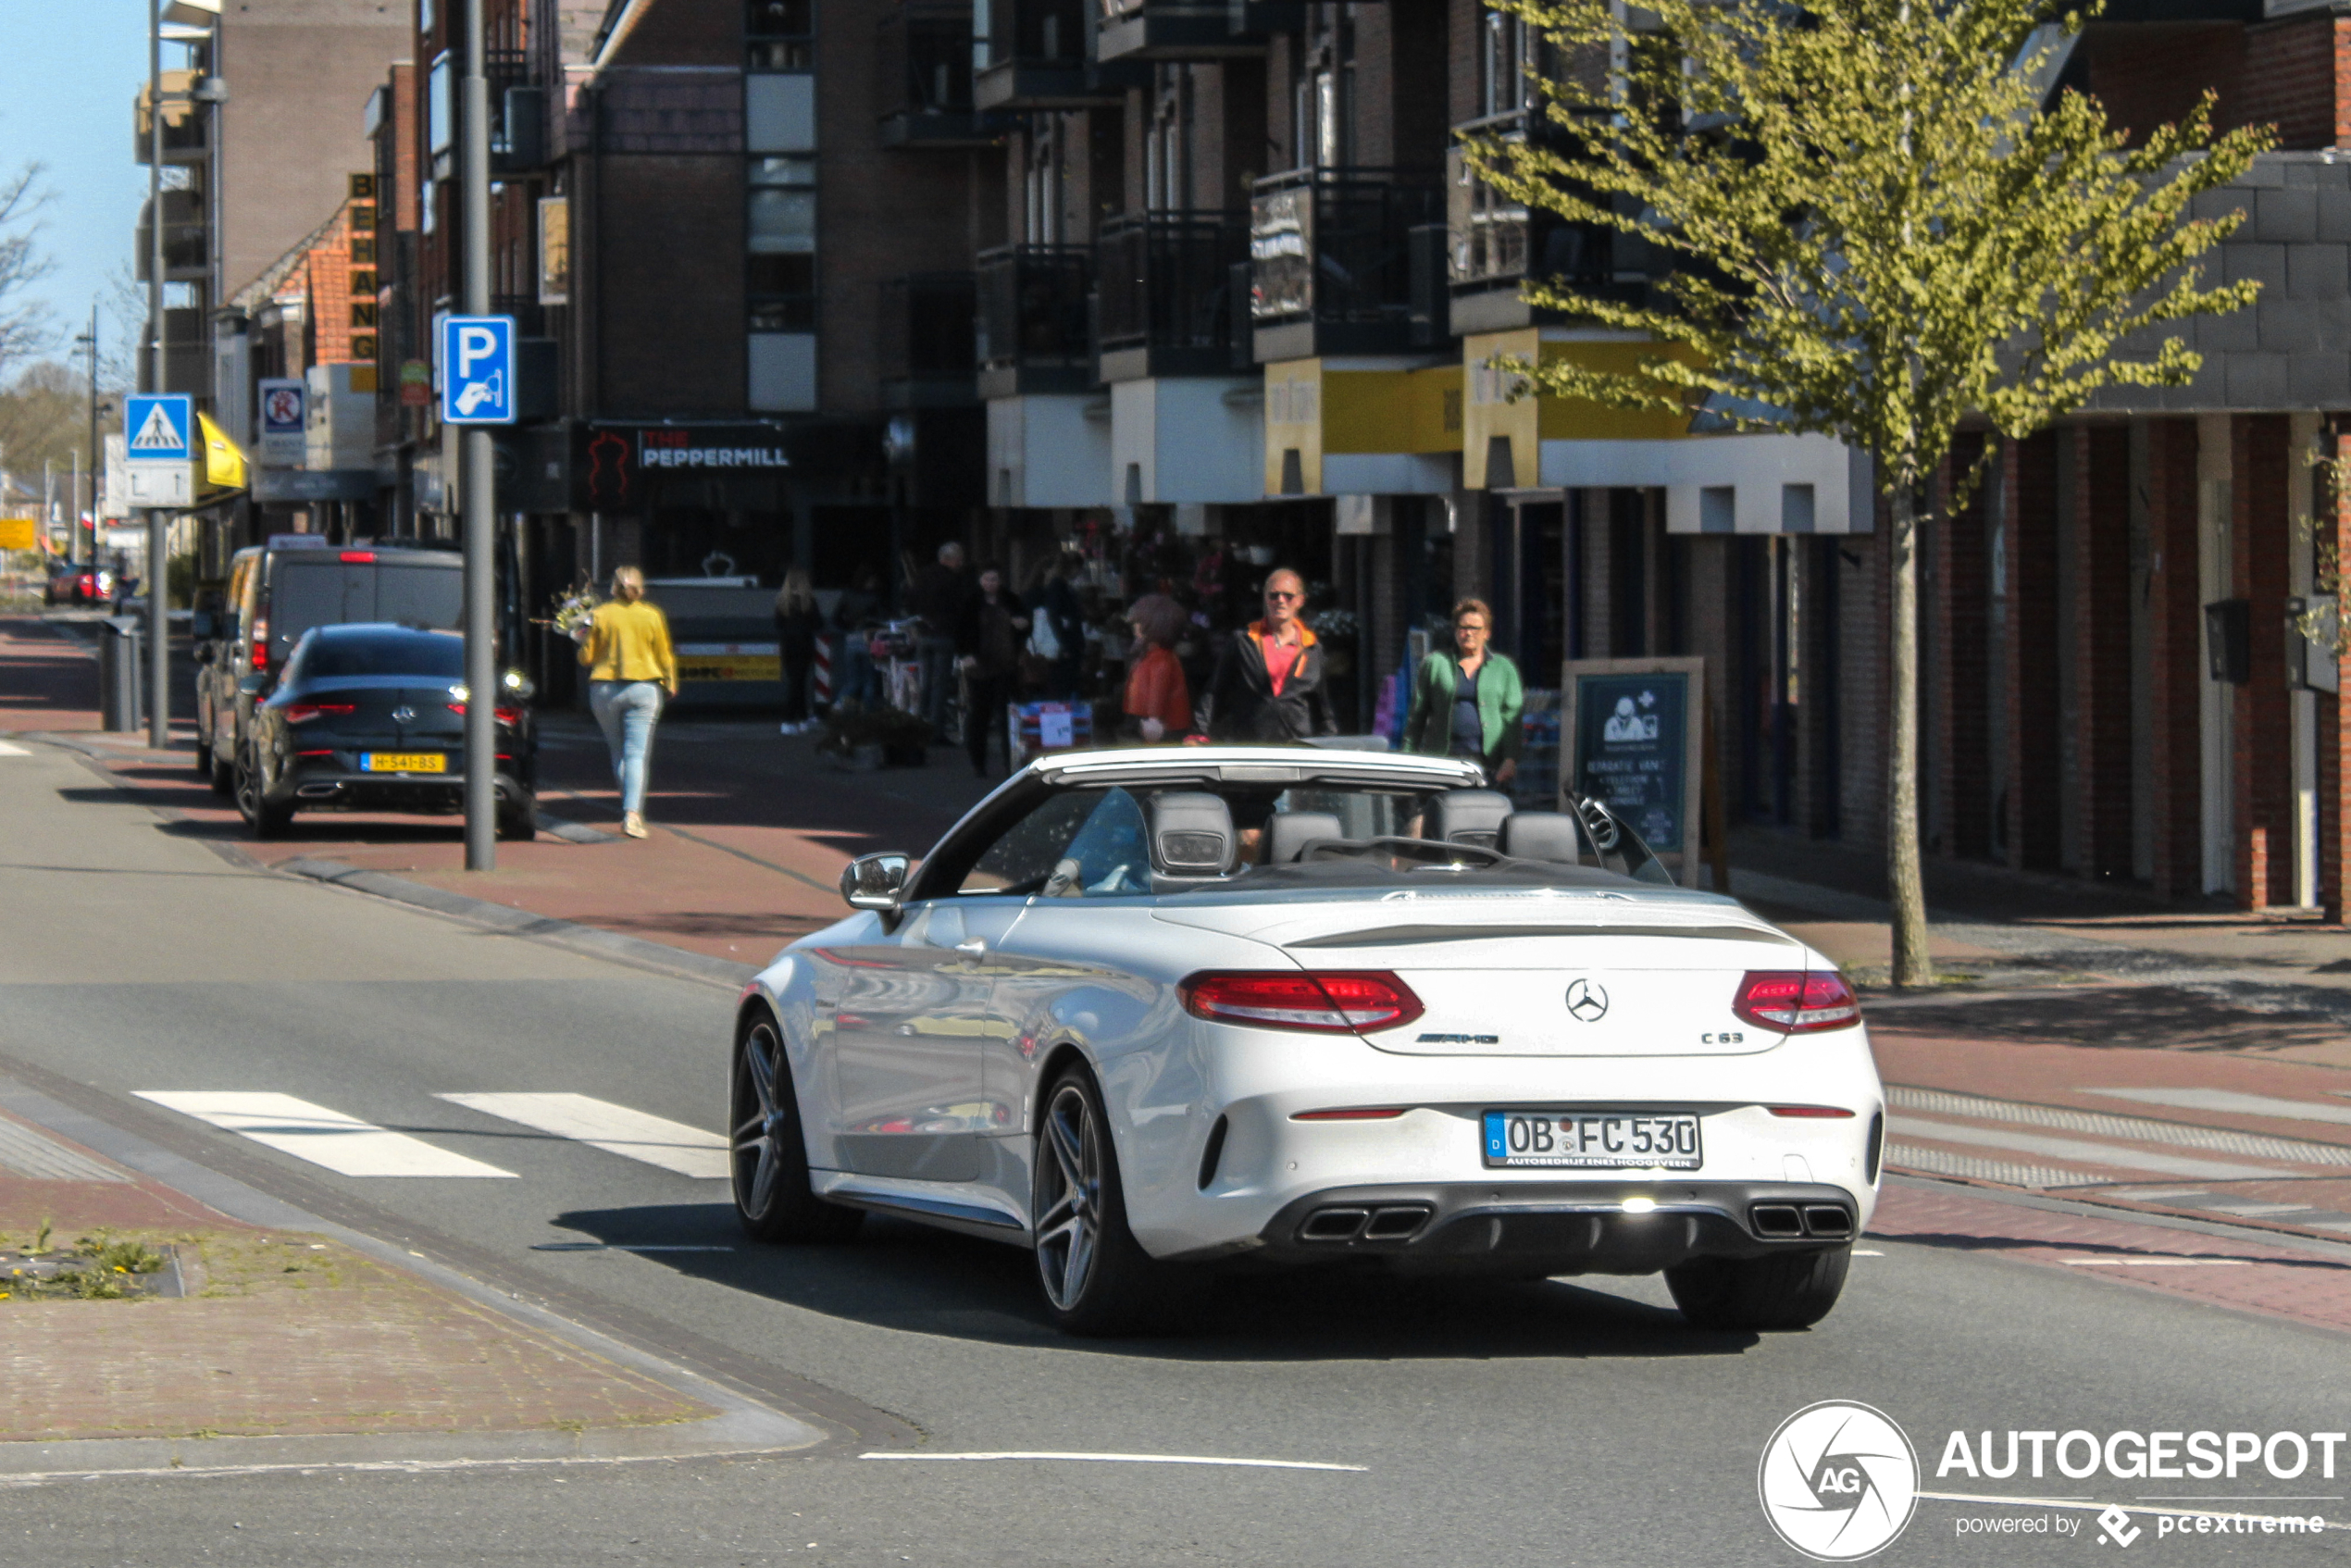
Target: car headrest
1542,835
1291,831
1466,816
1191,833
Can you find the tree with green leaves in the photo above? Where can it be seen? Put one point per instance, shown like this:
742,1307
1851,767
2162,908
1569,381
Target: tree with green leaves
1877,224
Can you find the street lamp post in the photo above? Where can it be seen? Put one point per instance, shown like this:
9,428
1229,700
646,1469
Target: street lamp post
475,471
158,523
89,339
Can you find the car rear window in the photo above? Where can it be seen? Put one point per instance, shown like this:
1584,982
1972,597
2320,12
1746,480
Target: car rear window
419,595
435,655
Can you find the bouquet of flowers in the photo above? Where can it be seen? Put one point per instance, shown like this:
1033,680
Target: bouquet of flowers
573,611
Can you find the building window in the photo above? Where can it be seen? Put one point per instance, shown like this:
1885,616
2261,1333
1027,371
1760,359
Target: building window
781,239
1323,97
779,35
1509,49
1167,151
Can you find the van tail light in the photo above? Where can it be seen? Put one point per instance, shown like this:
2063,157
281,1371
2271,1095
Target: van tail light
358,555
1798,1001
505,716
302,712
260,642
1329,1002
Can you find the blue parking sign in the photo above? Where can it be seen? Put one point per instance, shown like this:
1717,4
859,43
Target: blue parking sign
478,370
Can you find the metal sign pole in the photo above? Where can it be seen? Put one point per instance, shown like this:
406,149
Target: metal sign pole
477,477
158,526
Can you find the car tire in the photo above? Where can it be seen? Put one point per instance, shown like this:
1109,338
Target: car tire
224,778
203,750
767,1152
1760,1295
265,820
1097,1280
519,824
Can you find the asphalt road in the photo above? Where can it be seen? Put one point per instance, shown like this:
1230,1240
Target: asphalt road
1553,1423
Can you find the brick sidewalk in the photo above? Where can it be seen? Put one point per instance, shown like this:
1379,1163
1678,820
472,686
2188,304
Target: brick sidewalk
279,1335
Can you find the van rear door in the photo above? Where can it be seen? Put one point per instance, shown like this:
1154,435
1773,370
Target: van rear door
428,592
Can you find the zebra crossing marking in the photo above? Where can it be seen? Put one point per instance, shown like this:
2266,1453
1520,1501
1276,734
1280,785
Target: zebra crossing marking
342,1144
616,1129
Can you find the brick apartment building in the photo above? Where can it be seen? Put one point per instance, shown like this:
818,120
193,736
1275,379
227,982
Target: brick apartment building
1173,290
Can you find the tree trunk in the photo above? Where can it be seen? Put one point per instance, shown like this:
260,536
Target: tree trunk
1905,880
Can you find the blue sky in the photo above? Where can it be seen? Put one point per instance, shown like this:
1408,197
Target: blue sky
67,75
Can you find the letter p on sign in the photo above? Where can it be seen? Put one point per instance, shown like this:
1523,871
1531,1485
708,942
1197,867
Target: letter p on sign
478,370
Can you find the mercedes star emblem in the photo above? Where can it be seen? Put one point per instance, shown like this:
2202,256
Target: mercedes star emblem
402,714
1587,1000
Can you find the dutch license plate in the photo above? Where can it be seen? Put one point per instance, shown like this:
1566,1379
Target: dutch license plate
1596,1141
404,761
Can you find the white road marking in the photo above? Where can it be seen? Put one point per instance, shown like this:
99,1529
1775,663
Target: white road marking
616,1129
2155,1263
1132,1459
341,1143
621,1246
2251,1210
10,749
2077,1149
2230,1100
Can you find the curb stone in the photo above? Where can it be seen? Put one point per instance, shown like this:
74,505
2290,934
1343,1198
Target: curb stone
569,934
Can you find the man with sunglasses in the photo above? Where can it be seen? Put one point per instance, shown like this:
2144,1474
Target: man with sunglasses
1268,685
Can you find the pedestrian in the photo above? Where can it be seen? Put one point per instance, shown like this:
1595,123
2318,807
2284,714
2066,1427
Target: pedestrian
940,596
1267,686
1056,632
988,648
1468,703
796,624
1158,698
626,648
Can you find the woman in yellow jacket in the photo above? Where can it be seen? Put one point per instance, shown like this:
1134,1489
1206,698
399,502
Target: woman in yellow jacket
626,648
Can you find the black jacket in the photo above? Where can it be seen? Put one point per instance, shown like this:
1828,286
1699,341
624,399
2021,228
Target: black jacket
1239,704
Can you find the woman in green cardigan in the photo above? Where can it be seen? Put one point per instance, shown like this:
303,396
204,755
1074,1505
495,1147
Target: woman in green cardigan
1468,703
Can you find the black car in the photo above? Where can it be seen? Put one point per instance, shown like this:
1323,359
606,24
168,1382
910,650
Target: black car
371,717
278,591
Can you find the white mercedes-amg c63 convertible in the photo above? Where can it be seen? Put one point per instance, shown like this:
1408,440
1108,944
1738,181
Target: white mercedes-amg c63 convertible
1152,1013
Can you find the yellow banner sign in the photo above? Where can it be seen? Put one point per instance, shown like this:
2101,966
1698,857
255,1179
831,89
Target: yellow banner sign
19,533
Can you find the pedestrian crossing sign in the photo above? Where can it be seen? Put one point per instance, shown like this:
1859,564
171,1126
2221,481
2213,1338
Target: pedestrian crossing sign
159,425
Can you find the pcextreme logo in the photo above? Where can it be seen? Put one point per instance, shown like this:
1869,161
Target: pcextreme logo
1838,1481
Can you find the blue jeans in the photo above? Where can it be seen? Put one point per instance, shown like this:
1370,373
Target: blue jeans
625,710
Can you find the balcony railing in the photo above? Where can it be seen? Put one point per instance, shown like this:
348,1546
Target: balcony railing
1191,29
927,340
923,57
518,112
1038,55
1035,325
1498,244
1166,291
1330,248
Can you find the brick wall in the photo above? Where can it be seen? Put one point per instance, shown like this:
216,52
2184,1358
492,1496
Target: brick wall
2174,622
1862,627
2260,535
2334,736
2289,79
671,289
2032,764
1960,603
2148,76
2102,645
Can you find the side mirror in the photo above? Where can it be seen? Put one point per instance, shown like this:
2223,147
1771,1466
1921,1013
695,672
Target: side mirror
875,881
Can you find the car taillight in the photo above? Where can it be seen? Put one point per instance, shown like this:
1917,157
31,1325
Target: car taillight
358,555
504,715
302,712
1799,1001
260,642
1334,1002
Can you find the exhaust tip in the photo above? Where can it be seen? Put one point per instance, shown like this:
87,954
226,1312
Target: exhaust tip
1398,1223
1776,1220
1827,1219
1334,1224
316,792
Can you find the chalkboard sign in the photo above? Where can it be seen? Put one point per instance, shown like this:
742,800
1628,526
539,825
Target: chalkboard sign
1637,729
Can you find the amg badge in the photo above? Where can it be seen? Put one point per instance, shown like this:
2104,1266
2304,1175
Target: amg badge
1458,1039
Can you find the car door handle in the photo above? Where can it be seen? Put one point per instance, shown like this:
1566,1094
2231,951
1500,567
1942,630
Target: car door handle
975,947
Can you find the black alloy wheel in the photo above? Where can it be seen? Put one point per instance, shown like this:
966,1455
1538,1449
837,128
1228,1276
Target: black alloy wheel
767,1158
266,821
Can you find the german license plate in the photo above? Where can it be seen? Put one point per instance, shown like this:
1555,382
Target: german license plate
404,761
1594,1141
